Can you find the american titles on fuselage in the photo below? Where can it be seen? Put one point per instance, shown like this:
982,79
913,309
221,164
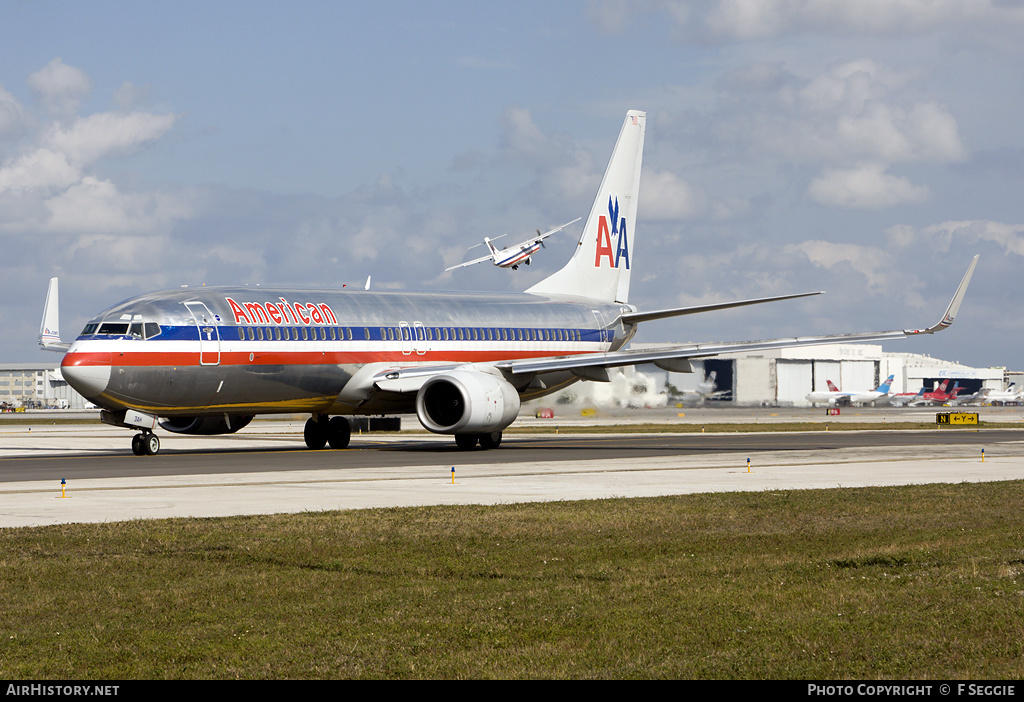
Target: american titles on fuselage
281,313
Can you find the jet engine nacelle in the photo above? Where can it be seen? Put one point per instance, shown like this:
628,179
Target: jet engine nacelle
213,424
466,402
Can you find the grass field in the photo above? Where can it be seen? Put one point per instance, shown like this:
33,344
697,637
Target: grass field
921,582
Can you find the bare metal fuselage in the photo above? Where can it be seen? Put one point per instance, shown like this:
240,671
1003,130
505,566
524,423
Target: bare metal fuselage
242,351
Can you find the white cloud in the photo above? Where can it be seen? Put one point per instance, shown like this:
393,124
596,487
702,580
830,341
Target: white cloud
48,185
129,95
925,132
850,86
853,112
60,88
122,260
564,171
14,120
758,19
95,205
874,263
610,16
42,168
942,236
666,196
865,187
104,134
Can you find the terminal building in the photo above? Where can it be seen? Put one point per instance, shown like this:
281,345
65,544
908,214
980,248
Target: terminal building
37,386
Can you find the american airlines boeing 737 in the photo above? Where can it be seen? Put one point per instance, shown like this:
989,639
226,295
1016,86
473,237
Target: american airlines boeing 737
206,361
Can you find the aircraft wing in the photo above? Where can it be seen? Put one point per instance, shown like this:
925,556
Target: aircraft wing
677,357
468,263
673,358
545,235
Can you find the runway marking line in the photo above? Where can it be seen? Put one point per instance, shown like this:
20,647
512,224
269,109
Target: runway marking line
446,477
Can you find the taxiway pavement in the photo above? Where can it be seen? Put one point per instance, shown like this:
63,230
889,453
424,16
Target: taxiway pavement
270,473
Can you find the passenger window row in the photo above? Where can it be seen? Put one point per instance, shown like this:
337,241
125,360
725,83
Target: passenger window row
410,333
148,330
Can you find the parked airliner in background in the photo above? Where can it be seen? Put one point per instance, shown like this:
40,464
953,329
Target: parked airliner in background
938,396
903,398
205,361
999,397
834,396
708,390
513,255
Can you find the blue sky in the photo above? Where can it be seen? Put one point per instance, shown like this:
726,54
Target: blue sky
868,149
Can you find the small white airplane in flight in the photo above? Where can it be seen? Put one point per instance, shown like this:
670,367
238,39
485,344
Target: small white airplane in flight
512,256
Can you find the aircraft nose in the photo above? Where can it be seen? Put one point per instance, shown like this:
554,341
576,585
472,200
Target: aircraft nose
88,374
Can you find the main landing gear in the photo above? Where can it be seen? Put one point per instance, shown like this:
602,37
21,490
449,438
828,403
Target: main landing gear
469,441
321,430
146,444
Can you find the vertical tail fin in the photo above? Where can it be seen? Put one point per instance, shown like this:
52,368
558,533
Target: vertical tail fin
49,333
600,266
884,387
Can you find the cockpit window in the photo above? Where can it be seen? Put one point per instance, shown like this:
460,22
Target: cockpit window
147,330
137,330
114,328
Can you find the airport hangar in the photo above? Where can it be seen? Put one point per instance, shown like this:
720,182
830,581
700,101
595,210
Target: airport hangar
784,377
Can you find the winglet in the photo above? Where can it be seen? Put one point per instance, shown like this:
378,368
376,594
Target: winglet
954,305
49,333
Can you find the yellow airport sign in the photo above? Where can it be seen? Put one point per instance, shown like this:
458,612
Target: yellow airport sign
956,418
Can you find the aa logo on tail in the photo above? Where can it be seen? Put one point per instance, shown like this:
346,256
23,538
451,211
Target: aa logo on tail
604,238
